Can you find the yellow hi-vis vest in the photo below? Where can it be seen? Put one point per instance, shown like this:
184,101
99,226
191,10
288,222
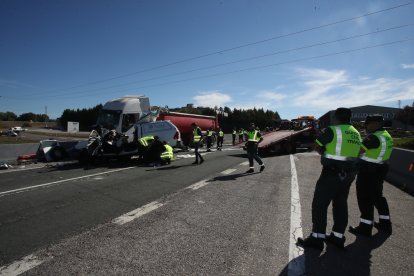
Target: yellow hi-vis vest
197,137
383,152
253,136
209,133
345,145
145,140
168,153
221,133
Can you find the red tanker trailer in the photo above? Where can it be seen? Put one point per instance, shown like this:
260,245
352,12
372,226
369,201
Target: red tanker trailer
183,122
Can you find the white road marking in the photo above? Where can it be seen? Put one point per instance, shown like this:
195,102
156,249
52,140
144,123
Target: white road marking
296,257
25,189
229,171
17,169
139,212
244,163
19,267
198,185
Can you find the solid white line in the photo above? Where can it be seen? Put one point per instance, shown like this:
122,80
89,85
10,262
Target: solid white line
139,212
198,185
19,267
60,181
296,257
229,171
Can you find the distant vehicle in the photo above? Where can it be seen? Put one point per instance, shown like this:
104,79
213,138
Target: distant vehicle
17,129
11,133
306,139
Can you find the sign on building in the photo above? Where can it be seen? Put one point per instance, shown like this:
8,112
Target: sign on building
73,127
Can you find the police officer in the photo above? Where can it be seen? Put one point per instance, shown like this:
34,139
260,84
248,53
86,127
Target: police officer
254,138
209,138
233,136
339,145
168,155
143,145
377,148
220,139
197,138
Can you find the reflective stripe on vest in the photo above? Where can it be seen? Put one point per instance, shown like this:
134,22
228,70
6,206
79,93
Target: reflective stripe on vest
383,152
144,140
209,133
168,153
253,136
345,145
197,137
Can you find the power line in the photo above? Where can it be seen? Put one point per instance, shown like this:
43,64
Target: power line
260,67
234,48
241,60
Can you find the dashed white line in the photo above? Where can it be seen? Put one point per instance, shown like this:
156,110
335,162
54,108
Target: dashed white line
244,163
198,185
296,257
139,212
19,267
59,182
229,171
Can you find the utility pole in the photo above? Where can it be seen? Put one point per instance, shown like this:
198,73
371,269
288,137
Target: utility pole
399,104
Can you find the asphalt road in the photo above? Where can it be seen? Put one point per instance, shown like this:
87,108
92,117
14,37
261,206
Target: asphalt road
210,219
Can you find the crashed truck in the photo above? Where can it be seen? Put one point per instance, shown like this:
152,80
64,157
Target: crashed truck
120,124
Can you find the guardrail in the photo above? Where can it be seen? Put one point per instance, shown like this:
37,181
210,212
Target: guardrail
401,173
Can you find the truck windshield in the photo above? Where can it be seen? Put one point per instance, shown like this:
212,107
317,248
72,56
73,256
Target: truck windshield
109,119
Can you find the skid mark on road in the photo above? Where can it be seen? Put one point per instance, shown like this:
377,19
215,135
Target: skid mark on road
296,257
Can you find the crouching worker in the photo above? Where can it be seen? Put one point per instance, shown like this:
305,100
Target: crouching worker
143,145
153,154
168,155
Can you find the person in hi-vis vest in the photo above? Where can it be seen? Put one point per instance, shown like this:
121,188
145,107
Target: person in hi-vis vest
197,138
373,167
339,146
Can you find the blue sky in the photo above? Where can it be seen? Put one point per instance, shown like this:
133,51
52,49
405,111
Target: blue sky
76,54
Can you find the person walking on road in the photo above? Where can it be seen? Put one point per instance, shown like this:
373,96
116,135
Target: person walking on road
241,135
209,138
233,136
254,138
339,145
197,138
373,167
220,139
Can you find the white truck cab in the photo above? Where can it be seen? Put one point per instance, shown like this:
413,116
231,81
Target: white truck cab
131,115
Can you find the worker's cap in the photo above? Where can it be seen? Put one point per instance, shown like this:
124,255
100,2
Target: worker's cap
343,114
374,118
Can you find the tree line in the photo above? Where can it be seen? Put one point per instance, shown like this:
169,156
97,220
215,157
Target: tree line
26,117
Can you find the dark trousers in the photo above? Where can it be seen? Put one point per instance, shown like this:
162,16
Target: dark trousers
220,142
332,186
197,154
233,136
252,154
209,141
241,138
369,187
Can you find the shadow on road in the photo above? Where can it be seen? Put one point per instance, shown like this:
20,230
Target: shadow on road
230,177
354,260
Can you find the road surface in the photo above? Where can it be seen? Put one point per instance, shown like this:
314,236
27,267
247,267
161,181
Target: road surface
183,219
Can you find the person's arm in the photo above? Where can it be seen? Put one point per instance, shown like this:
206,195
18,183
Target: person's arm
324,138
260,137
370,142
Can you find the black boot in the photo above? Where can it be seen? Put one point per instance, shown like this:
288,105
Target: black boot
362,229
338,242
311,241
250,170
384,225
